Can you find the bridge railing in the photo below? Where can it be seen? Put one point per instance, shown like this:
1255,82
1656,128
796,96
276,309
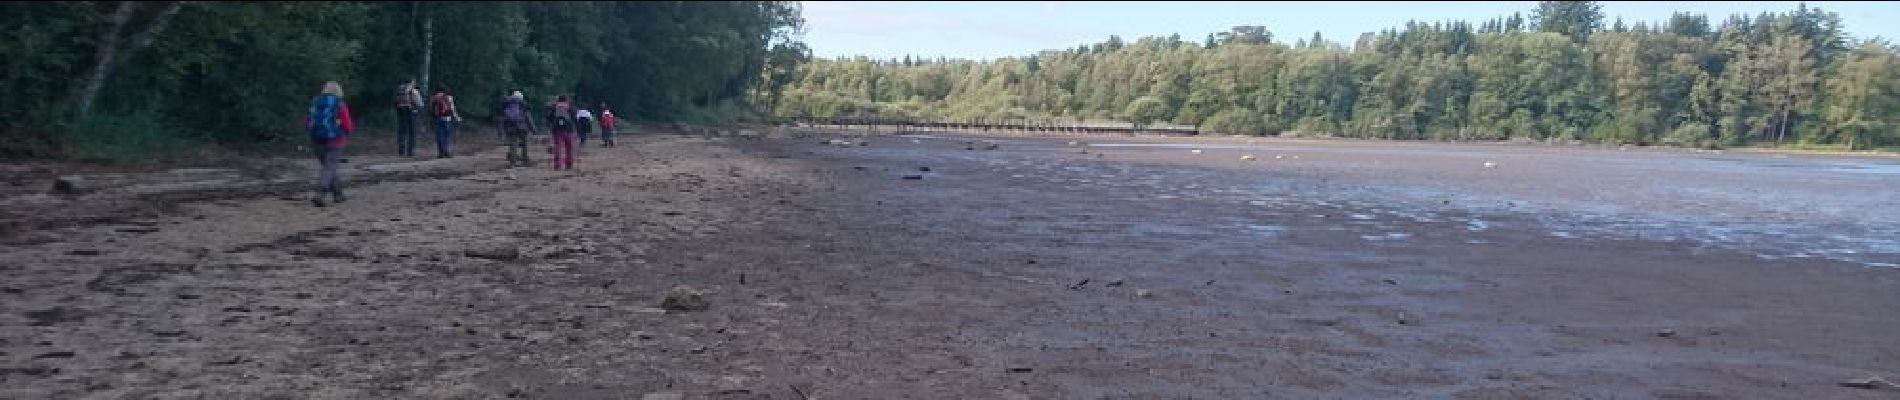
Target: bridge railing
873,123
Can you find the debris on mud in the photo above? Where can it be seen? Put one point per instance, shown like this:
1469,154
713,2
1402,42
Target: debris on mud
1144,293
682,298
1872,382
1248,157
1666,333
913,177
496,252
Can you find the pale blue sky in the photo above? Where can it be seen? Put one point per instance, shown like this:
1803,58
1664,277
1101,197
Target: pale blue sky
990,29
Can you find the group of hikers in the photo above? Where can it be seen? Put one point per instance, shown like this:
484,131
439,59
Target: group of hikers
328,123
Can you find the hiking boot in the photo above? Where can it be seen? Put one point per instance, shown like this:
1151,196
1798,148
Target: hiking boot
339,198
317,201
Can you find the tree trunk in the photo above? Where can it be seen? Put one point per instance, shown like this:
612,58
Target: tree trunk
109,57
88,88
164,18
1781,132
428,47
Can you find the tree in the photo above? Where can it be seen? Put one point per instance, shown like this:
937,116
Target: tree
1576,19
1246,34
1863,106
109,57
1144,111
1751,79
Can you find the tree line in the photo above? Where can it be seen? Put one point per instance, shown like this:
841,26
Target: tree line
1562,72
90,77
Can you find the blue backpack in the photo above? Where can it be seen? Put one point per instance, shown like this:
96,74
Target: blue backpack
323,118
513,111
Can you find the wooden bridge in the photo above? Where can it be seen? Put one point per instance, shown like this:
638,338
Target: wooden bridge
902,124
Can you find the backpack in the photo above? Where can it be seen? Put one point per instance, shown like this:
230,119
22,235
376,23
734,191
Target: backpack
440,103
513,111
323,118
561,117
403,100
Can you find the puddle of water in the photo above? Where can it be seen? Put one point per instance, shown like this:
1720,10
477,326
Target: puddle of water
1476,225
1266,230
1562,234
1868,168
1387,236
1361,217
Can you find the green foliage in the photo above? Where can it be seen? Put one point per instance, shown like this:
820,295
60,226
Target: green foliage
1574,19
1776,77
1144,111
241,73
133,136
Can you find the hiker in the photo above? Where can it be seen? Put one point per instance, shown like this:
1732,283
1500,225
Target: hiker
328,124
583,123
442,109
561,123
606,126
516,125
408,107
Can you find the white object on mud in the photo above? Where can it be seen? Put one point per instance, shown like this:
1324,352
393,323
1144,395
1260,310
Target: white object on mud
1488,164
1195,151
1248,157
1144,293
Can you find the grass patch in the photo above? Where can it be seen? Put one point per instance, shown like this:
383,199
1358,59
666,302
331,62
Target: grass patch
138,137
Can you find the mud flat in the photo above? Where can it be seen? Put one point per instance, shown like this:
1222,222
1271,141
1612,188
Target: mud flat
912,267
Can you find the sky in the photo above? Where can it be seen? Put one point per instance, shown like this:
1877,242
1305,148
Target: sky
993,29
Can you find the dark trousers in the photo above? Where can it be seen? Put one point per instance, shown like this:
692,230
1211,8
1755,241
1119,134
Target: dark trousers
517,145
406,133
443,131
582,126
329,179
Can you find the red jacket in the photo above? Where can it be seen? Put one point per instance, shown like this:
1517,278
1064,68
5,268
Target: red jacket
607,120
342,121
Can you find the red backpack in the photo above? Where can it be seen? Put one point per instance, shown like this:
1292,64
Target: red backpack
440,103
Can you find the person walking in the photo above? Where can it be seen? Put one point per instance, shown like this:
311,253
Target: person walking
561,123
583,123
408,107
328,123
442,111
516,124
606,126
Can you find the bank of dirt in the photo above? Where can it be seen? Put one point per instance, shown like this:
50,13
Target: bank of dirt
1030,271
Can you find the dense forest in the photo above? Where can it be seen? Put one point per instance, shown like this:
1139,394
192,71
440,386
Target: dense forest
1561,72
128,79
